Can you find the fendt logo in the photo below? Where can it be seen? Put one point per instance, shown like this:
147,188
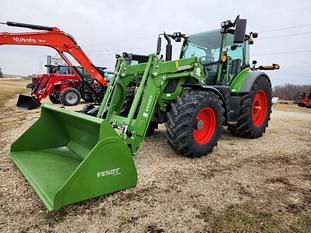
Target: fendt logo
148,107
111,172
24,40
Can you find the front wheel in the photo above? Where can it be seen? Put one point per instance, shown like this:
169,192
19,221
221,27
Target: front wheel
70,97
255,110
194,123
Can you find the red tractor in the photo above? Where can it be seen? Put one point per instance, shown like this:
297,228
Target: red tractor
64,44
63,86
303,99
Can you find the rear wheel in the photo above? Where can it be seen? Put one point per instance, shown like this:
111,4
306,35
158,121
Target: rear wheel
194,123
87,97
255,110
70,97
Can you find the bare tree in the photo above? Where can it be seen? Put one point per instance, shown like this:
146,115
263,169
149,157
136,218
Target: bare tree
290,91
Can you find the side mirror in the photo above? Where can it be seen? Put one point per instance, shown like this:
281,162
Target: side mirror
159,45
240,29
169,52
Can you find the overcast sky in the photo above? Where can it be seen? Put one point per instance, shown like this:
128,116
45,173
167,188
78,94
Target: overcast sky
104,28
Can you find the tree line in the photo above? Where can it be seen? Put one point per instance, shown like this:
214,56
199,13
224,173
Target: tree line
290,91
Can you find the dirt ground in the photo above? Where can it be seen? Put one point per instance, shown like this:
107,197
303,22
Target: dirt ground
261,185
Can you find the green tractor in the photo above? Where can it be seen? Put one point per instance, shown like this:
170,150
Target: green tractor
69,156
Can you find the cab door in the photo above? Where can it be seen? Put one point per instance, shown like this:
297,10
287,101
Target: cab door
235,59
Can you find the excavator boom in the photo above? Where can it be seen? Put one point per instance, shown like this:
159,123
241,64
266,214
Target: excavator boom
54,38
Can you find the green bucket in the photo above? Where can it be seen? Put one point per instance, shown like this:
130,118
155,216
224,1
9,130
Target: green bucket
68,157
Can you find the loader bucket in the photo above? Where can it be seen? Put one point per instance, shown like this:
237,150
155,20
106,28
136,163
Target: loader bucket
68,157
27,102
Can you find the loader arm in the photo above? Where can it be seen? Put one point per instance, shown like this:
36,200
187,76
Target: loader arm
151,80
54,38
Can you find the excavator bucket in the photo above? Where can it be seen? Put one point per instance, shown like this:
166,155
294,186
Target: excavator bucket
27,102
68,157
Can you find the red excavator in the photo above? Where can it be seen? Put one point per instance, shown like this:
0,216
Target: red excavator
64,44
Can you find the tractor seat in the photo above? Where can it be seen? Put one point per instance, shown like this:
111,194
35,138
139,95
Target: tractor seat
210,74
235,66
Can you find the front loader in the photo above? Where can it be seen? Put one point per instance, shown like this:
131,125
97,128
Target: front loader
69,156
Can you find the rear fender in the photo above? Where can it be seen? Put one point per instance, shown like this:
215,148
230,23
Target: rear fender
244,81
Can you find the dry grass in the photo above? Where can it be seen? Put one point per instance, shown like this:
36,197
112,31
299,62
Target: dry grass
9,88
290,107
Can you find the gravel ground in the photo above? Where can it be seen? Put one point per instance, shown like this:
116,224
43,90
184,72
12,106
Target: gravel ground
261,185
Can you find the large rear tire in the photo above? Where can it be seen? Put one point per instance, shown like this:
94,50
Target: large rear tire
194,123
255,110
70,97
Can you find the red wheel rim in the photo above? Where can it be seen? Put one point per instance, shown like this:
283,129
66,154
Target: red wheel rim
205,125
260,107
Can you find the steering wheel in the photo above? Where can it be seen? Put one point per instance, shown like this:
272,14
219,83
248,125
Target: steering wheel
205,60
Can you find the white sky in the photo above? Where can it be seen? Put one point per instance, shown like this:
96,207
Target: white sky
104,28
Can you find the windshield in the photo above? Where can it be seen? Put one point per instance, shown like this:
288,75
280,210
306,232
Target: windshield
63,70
204,44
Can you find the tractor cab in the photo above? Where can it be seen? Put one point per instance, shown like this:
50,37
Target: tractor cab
223,52
58,69
207,47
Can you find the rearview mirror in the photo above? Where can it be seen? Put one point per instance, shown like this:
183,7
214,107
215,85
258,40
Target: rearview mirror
159,45
240,29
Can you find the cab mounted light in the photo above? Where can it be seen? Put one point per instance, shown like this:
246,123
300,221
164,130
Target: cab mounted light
269,67
224,58
276,66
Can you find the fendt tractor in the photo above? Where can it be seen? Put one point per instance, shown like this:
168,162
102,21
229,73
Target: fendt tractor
72,156
65,45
